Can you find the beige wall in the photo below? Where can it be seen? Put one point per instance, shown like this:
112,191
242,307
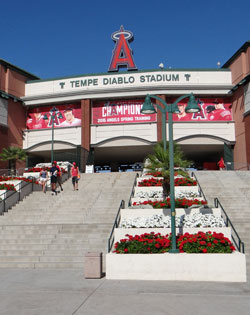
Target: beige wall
106,132
34,137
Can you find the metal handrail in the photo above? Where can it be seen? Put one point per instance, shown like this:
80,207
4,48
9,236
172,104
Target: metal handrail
115,225
200,189
238,243
14,192
133,189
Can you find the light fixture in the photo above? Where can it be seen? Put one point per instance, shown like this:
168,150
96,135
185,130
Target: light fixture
148,107
192,106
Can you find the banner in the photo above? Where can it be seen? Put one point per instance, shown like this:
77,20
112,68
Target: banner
120,112
70,113
211,110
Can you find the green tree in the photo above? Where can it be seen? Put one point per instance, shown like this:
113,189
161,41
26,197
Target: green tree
159,161
12,154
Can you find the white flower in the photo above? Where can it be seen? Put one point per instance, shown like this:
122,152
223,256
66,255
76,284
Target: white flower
162,221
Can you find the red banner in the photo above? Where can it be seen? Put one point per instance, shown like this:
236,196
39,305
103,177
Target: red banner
119,112
211,110
70,113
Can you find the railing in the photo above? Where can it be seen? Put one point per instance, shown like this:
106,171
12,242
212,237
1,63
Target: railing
8,172
200,189
116,225
13,197
133,190
235,237
25,188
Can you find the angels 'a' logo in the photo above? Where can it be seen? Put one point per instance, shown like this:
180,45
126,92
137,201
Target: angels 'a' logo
122,54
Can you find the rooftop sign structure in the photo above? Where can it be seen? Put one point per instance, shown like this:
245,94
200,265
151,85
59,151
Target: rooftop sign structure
122,53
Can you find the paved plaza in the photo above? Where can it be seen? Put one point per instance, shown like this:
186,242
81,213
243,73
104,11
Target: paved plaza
66,292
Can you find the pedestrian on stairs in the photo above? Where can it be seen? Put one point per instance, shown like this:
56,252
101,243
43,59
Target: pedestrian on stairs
59,175
221,164
43,178
53,178
75,175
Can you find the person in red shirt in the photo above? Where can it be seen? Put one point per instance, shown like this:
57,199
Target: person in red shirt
221,164
75,175
59,175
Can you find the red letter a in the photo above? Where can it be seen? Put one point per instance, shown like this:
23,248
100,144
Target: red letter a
122,54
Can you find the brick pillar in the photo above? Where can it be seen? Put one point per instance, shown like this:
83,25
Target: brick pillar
86,120
86,114
159,118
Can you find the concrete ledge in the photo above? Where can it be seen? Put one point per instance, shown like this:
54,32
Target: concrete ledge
180,267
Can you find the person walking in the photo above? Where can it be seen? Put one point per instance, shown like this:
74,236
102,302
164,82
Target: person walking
43,178
59,175
53,178
221,164
75,175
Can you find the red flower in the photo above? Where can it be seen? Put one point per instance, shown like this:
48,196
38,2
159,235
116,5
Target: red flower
204,250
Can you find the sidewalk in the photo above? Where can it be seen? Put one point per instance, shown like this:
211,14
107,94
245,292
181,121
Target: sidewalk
66,292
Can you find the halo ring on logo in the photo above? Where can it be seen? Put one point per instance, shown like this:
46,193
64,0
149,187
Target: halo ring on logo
127,35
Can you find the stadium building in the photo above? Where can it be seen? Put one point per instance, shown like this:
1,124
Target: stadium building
96,120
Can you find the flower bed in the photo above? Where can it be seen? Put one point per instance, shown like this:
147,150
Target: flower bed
176,173
164,221
150,182
39,169
184,182
7,178
180,181
190,243
179,203
159,194
7,187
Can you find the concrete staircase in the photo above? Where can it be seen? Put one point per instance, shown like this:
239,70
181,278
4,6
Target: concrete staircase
232,188
45,231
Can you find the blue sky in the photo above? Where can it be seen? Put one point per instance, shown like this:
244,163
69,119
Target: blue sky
63,38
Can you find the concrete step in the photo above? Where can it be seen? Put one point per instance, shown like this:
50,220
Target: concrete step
45,231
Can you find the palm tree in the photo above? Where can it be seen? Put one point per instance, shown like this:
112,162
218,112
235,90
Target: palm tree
13,154
159,161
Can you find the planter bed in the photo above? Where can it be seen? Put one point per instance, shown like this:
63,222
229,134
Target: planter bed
135,212
32,174
177,267
120,233
16,183
193,189
138,199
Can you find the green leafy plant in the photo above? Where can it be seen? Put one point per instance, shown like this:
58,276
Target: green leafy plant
159,162
13,154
